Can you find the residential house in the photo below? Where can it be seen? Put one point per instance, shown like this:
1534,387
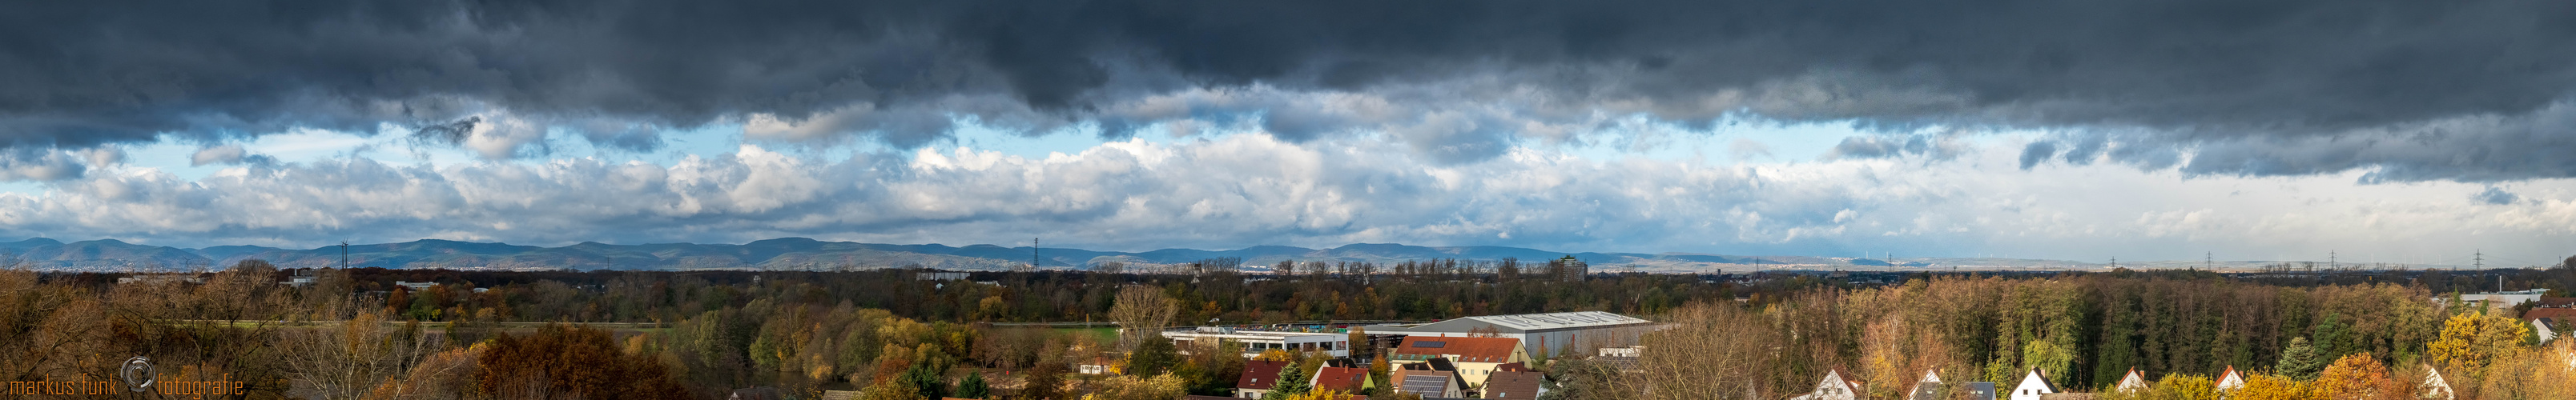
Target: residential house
2134,381
1428,383
2231,379
2436,385
1949,390
1928,388
2032,386
1343,379
1925,391
2555,302
2546,322
1258,377
1835,386
2545,328
1515,385
1476,357
1097,366
1978,390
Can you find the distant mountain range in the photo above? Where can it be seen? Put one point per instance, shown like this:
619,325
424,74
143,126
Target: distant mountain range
810,254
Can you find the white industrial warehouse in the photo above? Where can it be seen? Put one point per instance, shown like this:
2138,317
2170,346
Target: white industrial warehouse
1550,334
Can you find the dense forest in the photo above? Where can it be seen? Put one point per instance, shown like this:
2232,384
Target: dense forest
2086,332
897,334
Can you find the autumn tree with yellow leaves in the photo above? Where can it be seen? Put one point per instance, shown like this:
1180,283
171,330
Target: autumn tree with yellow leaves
1131,387
1321,394
2469,341
2533,373
2272,387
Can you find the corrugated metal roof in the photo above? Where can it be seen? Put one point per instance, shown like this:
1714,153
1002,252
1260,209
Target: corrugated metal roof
1580,319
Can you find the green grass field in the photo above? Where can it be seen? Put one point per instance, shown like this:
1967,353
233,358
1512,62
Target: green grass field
1104,335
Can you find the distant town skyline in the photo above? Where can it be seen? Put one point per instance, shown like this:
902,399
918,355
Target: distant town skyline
2057,131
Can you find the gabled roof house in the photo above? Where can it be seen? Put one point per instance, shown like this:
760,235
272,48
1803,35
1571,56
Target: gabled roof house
1345,380
1427,383
2133,381
2436,385
1258,377
1476,357
1515,385
2033,385
1836,386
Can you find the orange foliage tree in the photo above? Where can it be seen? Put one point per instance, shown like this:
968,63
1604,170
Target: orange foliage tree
561,361
2358,377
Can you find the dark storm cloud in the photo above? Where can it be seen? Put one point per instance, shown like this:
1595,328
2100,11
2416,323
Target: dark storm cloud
2203,74
2496,196
1935,147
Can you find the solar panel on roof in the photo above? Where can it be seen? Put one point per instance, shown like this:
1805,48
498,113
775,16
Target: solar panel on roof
1424,384
1430,344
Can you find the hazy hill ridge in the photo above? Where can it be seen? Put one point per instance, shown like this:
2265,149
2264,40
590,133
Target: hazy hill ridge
803,253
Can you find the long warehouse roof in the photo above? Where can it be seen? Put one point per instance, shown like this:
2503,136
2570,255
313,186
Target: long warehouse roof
1580,319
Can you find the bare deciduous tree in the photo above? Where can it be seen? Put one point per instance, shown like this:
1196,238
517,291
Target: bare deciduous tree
1141,313
351,360
1688,361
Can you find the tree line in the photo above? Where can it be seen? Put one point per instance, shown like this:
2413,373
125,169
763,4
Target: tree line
892,335
2085,332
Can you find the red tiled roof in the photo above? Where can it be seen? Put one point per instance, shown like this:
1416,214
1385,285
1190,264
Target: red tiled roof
1341,379
1468,349
1512,367
2563,314
1259,374
1521,385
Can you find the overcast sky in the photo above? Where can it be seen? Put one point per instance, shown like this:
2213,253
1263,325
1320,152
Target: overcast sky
2386,130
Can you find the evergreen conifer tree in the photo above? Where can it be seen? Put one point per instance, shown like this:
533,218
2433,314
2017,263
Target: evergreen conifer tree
2299,361
973,387
927,381
1292,382
2331,338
